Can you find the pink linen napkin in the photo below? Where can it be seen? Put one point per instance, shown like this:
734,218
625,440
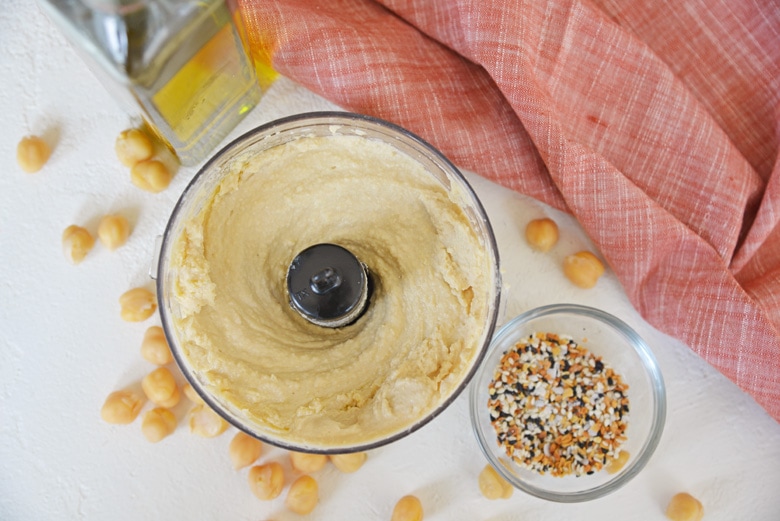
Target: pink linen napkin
656,124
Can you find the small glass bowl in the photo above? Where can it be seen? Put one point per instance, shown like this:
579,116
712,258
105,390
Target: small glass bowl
620,348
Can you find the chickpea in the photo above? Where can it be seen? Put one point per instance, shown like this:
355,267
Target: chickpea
192,394
132,146
32,153
614,465
493,485
113,231
150,175
205,422
266,481
303,495
307,463
348,462
408,508
583,269
542,234
137,304
76,243
684,507
158,423
160,387
154,347
121,407
244,450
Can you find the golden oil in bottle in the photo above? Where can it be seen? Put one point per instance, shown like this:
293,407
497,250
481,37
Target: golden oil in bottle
181,62
260,53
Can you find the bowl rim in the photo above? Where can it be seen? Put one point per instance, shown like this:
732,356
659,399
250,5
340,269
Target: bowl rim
650,365
320,118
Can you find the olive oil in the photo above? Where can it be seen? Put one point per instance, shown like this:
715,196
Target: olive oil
181,64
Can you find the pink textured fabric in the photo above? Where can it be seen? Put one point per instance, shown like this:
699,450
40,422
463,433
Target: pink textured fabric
657,124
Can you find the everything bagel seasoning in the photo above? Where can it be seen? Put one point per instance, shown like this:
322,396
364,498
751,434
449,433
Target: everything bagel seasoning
557,408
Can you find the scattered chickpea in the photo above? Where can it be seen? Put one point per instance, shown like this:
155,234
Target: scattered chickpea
137,304
113,231
160,387
614,465
408,508
684,507
132,146
492,485
244,450
150,175
205,422
583,269
121,407
192,394
307,463
154,347
348,462
32,153
266,481
76,243
542,234
158,423
303,495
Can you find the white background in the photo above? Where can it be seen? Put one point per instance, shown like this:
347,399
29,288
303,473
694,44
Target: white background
63,347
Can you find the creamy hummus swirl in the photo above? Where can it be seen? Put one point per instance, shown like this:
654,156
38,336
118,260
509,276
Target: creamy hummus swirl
309,385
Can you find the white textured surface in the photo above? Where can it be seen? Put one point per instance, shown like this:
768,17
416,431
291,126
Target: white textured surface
63,348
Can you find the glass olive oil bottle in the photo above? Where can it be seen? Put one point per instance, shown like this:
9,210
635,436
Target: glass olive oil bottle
181,64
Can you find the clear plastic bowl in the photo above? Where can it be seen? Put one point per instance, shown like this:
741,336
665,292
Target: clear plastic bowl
277,133
619,347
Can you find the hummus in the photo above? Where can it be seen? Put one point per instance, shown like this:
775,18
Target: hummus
307,385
